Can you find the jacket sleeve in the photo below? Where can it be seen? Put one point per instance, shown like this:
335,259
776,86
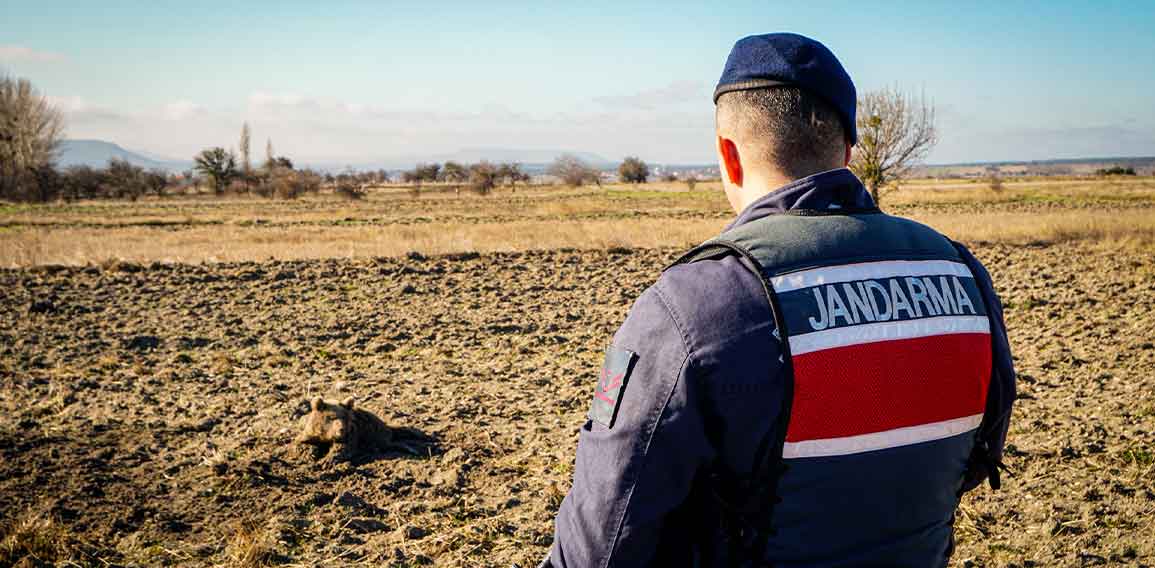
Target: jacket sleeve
988,454
629,477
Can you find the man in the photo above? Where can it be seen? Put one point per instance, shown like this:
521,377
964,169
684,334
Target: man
817,386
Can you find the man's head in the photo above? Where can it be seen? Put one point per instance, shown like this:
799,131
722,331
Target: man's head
785,110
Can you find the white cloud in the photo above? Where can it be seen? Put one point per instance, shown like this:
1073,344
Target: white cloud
277,102
180,110
1096,141
17,53
69,105
675,93
313,129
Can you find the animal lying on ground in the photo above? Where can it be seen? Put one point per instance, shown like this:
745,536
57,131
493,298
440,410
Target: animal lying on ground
338,431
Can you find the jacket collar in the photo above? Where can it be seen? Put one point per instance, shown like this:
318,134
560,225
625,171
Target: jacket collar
833,189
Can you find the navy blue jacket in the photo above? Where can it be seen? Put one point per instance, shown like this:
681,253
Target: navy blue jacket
705,388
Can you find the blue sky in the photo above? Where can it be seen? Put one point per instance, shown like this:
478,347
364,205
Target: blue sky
357,81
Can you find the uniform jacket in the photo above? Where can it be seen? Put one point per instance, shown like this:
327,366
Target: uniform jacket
697,380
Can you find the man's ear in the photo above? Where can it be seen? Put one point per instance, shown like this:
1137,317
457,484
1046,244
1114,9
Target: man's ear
731,161
849,153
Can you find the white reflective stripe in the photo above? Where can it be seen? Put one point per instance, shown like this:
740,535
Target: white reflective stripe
881,440
867,271
886,331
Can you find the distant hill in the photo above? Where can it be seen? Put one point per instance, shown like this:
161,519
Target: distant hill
531,160
97,153
1074,166
471,155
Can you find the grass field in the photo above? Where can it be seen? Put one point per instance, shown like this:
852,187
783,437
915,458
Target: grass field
156,356
391,223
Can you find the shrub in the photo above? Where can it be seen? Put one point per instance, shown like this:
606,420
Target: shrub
284,183
1115,171
573,171
238,186
455,172
308,181
83,182
124,180
633,170
483,177
427,172
994,179
46,184
156,181
349,189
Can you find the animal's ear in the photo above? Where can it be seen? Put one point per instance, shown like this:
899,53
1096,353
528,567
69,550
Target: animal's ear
316,403
348,403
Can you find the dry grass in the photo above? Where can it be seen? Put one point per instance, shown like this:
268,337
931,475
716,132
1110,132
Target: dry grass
1135,226
33,540
251,546
620,216
232,243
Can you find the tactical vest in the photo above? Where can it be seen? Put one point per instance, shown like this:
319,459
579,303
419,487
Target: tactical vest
887,357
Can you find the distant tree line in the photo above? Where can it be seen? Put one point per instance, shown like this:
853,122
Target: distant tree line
1115,171
481,177
30,133
276,177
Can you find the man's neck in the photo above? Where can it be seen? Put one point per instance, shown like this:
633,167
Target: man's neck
822,190
757,186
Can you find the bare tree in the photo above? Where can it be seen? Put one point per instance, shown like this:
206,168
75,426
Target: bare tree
483,177
995,179
895,132
157,181
269,155
246,157
573,171
246,176
30,132
511,172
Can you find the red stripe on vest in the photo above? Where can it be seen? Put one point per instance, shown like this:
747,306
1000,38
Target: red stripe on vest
875,387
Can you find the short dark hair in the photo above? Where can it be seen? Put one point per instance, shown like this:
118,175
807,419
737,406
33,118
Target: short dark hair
794,131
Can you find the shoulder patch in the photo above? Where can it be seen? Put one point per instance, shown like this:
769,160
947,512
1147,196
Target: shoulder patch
612,380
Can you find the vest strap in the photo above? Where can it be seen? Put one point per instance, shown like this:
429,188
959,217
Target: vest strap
747,511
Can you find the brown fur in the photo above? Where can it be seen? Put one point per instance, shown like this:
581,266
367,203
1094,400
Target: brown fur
340,431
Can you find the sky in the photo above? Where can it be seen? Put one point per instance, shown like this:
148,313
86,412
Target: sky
359,81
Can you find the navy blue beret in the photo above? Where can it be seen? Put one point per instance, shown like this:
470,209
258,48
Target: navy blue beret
776,60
